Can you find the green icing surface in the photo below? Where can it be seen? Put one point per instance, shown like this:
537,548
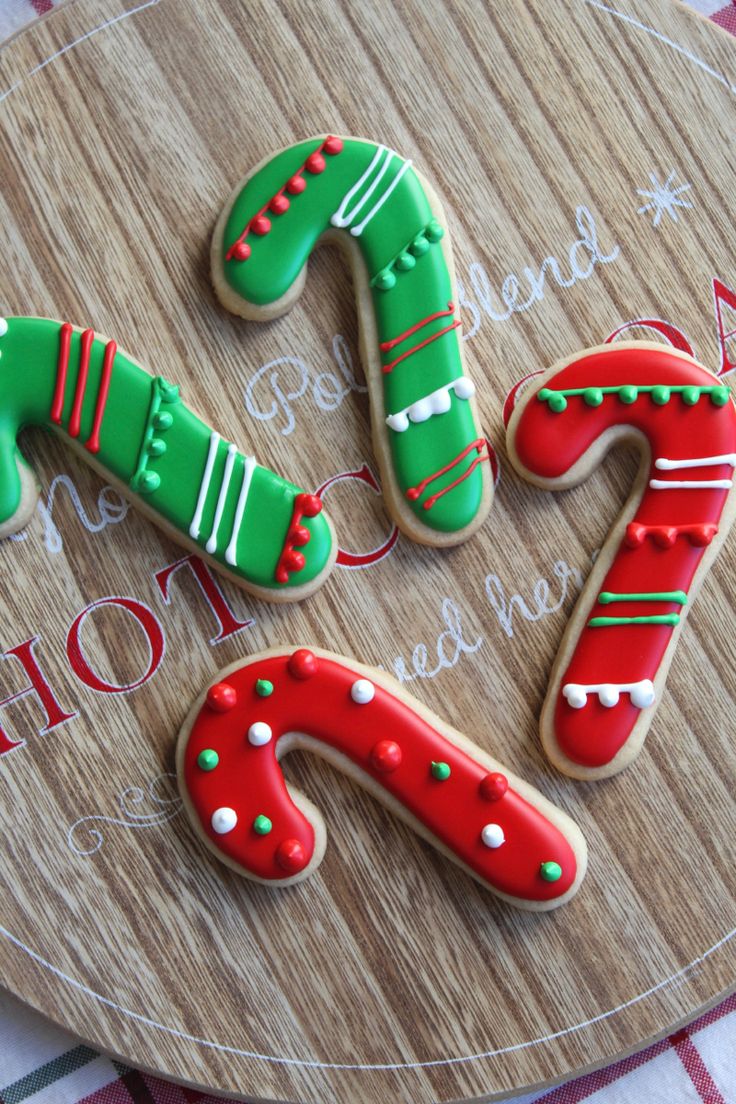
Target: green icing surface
29,355
420,289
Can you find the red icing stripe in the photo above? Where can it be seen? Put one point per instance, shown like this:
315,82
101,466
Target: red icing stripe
57,404
260,224
413,493
231,772
385,346
84,351
93,444
427,341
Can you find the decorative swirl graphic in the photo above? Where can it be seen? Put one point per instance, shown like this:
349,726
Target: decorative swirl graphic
86,838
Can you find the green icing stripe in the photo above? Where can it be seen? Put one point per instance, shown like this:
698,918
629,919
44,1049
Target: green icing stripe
371,193
148,440
629,393
679,596
655,619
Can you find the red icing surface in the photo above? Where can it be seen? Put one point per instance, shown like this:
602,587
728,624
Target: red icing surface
314,698
666,539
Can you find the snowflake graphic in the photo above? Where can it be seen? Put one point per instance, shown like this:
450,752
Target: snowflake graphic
664,198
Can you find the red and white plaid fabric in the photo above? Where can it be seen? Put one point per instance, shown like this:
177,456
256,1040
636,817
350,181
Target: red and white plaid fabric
42,1064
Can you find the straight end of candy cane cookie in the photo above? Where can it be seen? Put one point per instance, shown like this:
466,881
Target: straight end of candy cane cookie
610,673
268,535
497,828
435,462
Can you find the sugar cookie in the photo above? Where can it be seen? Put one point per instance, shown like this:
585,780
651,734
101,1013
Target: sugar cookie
250,523
372,203
496,827
613,661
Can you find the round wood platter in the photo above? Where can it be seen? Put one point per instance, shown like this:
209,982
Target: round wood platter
390,974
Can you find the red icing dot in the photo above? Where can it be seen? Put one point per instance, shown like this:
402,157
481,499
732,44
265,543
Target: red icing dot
291,856
282,575
293,560
412,494
333,144
296,185
279,204
241,251
310,505
260,225
494,786
385,756
303,664
221,697
300,535
315,163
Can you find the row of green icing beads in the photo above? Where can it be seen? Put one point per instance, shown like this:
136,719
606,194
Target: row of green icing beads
406,259
628,393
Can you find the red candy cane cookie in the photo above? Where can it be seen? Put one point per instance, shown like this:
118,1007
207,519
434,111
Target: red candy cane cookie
496,827
614,657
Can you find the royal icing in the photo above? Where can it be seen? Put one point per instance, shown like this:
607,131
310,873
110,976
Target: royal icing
229,761
605,695
246,517
371,193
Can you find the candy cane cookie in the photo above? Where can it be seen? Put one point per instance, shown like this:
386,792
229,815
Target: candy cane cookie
496,827
613,661
261,530
368,200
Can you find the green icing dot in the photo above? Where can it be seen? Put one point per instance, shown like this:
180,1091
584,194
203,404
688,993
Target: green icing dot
163,420
149,482
434,231
262,825
719,396
592,396
157,447
405,262
550,871
264,688
385,280
441,771
208,759
628,394
660,395
690,395
419,246
557,402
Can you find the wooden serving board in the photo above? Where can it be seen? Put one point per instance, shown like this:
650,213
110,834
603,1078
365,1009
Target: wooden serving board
390,974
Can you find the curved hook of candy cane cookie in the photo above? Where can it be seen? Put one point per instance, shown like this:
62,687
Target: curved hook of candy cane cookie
262,531
496,827
613,661
372,203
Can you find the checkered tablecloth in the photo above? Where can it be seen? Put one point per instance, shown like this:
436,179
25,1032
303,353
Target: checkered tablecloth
42,1064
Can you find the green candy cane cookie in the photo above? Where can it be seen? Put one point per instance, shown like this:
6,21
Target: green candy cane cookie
262,531
370,201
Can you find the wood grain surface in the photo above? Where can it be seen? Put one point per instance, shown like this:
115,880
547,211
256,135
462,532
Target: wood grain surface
390,974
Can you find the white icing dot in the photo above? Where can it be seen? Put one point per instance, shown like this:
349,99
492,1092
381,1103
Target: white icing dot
575,695
492,835
609,695
259,734
464,387
3,327
224,820
362,691
642,694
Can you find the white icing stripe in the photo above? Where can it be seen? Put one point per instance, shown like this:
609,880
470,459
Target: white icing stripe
211,545
697,462
340,218
204,485
689,484
358,230
249,466
437,403
641,693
